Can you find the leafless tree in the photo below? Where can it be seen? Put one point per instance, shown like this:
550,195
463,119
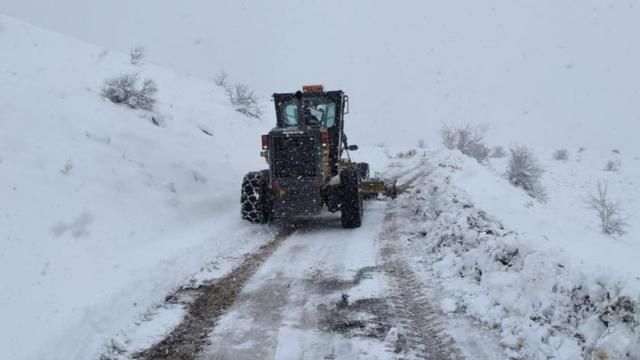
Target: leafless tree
608,211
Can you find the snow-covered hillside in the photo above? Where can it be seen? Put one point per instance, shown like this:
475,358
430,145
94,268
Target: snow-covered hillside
102,212
565,221
538,276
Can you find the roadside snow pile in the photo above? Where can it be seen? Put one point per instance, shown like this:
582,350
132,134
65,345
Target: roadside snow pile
105,209
541,303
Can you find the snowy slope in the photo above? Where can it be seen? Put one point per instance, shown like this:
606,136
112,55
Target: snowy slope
102,213
565,221
539,277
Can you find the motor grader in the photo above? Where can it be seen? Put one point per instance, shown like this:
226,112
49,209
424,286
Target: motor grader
310,167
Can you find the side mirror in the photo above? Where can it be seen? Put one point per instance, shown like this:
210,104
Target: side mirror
345,105
352,147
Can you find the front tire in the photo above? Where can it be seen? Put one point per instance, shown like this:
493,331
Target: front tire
351,210
255,197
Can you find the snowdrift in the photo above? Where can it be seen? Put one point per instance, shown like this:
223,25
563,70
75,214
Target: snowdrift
539,286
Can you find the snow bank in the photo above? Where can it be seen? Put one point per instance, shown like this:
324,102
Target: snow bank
541,302
103,212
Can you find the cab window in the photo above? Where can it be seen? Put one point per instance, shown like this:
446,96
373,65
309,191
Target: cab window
320,111
290,114
329,114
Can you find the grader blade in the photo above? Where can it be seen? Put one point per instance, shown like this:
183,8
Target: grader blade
371,188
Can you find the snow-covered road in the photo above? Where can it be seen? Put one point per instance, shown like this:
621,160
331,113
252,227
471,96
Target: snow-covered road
328,293
428,276
324,293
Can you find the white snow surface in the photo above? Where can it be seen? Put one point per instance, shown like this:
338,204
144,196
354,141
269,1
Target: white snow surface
544,281
102,213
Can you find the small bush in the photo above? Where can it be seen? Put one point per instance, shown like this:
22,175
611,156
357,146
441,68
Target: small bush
406,155
525,171
581,149
469,140
449,137
137,55
244,100
498,152
608,211
561,154
68,165
240,96
612,165
615,151
222,80
124,89
422,144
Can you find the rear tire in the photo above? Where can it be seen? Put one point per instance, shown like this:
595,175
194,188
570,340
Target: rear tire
351,209
255,198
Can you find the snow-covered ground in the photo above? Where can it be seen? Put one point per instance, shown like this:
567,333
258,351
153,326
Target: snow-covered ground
105,210
539,276
565,221
102,213
504,292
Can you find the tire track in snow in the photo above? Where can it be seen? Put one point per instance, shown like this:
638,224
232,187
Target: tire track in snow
420,327
211,300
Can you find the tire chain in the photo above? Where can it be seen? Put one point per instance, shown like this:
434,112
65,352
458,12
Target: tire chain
250,199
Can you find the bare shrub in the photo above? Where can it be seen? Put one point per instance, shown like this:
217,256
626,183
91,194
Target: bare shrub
244,100
561,154
407,154
448,136
240,96
498,152
222,80
124,89
137,55
608,211
422,144
68,165
525,171
612,165
467,139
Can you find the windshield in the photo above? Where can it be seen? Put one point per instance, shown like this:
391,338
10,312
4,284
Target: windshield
315,110
319,111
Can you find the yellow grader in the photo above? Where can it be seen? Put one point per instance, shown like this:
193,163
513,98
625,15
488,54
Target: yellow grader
310,166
